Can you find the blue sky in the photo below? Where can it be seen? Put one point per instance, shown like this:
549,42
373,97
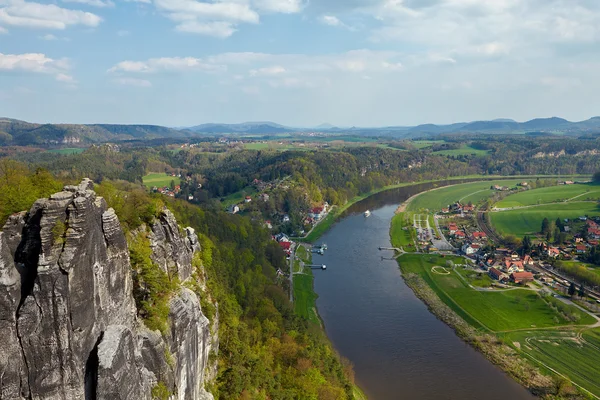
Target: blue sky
298,62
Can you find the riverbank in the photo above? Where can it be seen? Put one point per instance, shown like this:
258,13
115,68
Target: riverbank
336,211
488,344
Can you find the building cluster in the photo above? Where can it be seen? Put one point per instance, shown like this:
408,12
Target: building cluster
167,191
284,242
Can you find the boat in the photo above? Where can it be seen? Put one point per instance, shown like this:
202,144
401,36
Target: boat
367,213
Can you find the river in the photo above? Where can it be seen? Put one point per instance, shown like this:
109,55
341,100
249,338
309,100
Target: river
398,348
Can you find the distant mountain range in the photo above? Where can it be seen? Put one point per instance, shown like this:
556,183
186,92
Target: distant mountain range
15,132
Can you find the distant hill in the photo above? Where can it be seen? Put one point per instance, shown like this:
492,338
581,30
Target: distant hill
15,132
246,127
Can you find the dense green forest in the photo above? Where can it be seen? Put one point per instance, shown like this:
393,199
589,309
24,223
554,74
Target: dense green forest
266,351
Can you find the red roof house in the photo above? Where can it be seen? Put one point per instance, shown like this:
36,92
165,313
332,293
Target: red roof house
521,277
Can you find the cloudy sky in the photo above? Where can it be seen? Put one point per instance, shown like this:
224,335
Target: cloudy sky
298,62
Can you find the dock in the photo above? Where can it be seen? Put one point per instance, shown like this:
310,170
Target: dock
317,266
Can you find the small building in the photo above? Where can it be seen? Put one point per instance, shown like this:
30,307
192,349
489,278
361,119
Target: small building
460,235
479,236
234,209
316,213
248,199
470,249
498,275
452,228
580,248
286,218
527,260
264,197
190,197
521,277
285,245
268,225
553,252
282,237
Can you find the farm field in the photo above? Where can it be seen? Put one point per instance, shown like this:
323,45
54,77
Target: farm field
436,199
551,194
495,310
74,150
304,295
421,144
159,180
572,355
527,221
463,151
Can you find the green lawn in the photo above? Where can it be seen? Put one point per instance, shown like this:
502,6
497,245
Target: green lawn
421,144
437,199
159,180
399,236
463,151
73,150
305,297
239,196
551,194
497,310
570,355
528,221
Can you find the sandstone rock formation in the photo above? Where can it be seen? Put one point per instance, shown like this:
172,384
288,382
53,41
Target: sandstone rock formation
67,315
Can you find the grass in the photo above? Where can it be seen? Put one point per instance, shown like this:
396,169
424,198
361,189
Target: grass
573,356
421,144
496,311
71,150
401,237
304,295
551,194
527,221
435,200
238,196
462,151
159,180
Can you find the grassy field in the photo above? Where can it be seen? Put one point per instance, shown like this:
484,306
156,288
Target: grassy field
465,150
436,199
238,197
421,144
399,236
574,356
527,221
304,295
496,311
551,194
160,180
73,150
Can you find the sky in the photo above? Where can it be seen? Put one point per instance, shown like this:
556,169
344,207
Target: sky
298,62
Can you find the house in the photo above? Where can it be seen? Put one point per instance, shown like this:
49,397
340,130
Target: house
264,197
445,210
524,184
498,275
248,199
521,277
580,248
316,213
190,197
468,208
569,183
282,237
469,249
285,245
452,228
583,218
594,233
553,252
592,224
234,209
268,225
286,218
479,236
460,235
527,260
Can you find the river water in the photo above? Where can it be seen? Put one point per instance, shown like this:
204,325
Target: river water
398,348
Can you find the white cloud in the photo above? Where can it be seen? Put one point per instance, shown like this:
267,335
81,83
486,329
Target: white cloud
44,16
331,20
123,33
65,78
268,71
3,30
280,6
219,29
93,3
172,64
48,37
133,82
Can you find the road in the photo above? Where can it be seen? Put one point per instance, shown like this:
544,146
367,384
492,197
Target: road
444,241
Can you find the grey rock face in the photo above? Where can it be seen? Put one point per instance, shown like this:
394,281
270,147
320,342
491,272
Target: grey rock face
68,321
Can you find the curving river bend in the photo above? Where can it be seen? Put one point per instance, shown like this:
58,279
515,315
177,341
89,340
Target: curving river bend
398,348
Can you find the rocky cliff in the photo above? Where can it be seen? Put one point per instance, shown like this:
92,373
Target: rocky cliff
68,319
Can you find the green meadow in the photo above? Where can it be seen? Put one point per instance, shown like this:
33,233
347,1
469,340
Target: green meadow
159,180
465,150
552,194
528,221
